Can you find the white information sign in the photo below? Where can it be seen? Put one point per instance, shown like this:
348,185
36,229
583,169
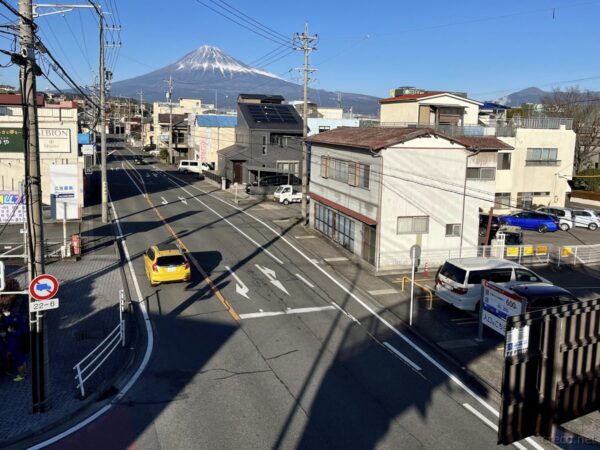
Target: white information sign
517,341
43,305
88,149
55,140
498,304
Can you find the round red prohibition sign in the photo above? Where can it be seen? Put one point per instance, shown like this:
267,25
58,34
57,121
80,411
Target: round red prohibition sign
43,287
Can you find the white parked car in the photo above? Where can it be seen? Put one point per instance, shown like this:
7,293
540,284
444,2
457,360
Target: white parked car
189,165
155,152
586,218
564,215
458,281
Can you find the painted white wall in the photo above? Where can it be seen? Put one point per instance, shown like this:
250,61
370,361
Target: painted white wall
471,116
61,151
210,140
409,111
425,177
330,113
553,179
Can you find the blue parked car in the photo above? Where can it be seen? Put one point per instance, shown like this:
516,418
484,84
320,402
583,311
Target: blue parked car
531,220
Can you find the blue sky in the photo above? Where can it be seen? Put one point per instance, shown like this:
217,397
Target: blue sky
485,48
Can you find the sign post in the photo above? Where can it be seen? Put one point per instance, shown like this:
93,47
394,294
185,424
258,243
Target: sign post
415,254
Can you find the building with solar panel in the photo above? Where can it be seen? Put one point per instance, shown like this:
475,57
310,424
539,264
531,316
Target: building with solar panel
268,143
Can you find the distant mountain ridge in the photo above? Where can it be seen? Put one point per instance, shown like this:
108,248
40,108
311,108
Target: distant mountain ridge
207,72
528,95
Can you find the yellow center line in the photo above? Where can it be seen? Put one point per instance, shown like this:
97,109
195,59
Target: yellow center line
198,267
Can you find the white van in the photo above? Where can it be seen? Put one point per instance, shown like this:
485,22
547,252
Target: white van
188,165
458,281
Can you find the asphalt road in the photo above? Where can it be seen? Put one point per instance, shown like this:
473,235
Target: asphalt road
265,348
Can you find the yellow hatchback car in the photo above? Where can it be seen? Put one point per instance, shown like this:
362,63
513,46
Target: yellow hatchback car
165,263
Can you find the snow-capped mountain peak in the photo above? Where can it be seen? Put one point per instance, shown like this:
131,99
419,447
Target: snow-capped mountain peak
209,58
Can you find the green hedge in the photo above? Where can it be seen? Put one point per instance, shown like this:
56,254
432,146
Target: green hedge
593,183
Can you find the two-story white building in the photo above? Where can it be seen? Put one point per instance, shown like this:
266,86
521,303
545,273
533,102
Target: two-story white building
379,191
61,165
537,170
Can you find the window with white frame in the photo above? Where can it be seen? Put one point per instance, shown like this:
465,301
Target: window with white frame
542,157
349,172
412,225
502,200
452,229
481,173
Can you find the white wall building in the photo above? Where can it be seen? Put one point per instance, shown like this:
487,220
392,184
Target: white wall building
535,173
319,124
378,191
58,147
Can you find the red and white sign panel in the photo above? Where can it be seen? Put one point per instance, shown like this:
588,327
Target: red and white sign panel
498,304
43,287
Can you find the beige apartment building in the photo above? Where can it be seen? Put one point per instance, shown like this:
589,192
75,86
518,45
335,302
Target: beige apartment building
534,173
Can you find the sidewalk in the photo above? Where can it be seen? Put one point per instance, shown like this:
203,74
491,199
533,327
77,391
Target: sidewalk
89,310
448,330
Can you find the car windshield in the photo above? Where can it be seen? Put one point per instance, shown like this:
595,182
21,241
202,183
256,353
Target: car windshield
549,301
279,190
171,260
453,273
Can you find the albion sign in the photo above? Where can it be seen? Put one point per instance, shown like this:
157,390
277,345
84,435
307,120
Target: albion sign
55,140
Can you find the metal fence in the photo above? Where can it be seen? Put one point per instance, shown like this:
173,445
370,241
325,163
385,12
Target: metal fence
85,368
571,255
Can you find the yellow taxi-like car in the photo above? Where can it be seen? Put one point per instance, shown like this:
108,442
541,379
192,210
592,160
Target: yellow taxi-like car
165,263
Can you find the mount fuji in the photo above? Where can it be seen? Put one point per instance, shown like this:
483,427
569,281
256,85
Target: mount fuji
208,72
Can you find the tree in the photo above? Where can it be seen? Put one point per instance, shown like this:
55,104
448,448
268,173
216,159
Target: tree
584,108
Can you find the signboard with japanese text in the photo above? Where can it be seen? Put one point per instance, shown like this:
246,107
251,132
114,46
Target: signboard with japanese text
12,208
55,140
11,140
517,341
64,191
498,304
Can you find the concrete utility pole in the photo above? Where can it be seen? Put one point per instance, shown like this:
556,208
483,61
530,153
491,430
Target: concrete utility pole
33,189
103,121
306,40
141,94
170,100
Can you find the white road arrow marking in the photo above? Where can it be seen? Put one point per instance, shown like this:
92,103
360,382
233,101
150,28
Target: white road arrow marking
240,287
270,274
183,200
164,201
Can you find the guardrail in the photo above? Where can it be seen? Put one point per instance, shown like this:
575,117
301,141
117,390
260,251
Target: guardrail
84,369
578,254
425,288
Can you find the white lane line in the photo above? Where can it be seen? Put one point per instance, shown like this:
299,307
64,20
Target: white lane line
240,287
308,283
164,201
305,237
401,356
488,422
280,220
346,313
143,364
384,292
454,378
338,258
286,312
170,178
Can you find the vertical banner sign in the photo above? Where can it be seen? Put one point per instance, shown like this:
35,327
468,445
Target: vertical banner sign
12,209
64,191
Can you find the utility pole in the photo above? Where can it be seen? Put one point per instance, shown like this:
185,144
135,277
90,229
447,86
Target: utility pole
33,189
141,94
306,41
170,100
103,121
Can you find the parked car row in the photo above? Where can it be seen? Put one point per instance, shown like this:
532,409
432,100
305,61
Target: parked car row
459,283
573,217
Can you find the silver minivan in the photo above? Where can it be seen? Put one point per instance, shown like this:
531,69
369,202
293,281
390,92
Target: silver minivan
458,281
564,215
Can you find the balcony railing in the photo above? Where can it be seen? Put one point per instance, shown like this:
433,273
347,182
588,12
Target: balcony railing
499,128
542,162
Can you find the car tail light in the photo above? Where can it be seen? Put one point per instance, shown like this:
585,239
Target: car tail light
154,268
460,291
186,265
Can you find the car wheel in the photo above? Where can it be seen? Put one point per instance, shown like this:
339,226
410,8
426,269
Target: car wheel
564,226
286,202
542,228
592,226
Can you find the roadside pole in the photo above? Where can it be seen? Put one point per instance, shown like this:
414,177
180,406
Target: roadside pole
413,251
33,191
103,122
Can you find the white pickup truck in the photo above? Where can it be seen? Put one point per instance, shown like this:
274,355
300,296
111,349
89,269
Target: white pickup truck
285,194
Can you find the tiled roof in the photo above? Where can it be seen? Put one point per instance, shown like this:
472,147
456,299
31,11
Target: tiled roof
483,143
377,138
15,99
400,98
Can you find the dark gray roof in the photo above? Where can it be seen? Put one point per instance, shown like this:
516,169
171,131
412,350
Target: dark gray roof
268,116
262,97
235,152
